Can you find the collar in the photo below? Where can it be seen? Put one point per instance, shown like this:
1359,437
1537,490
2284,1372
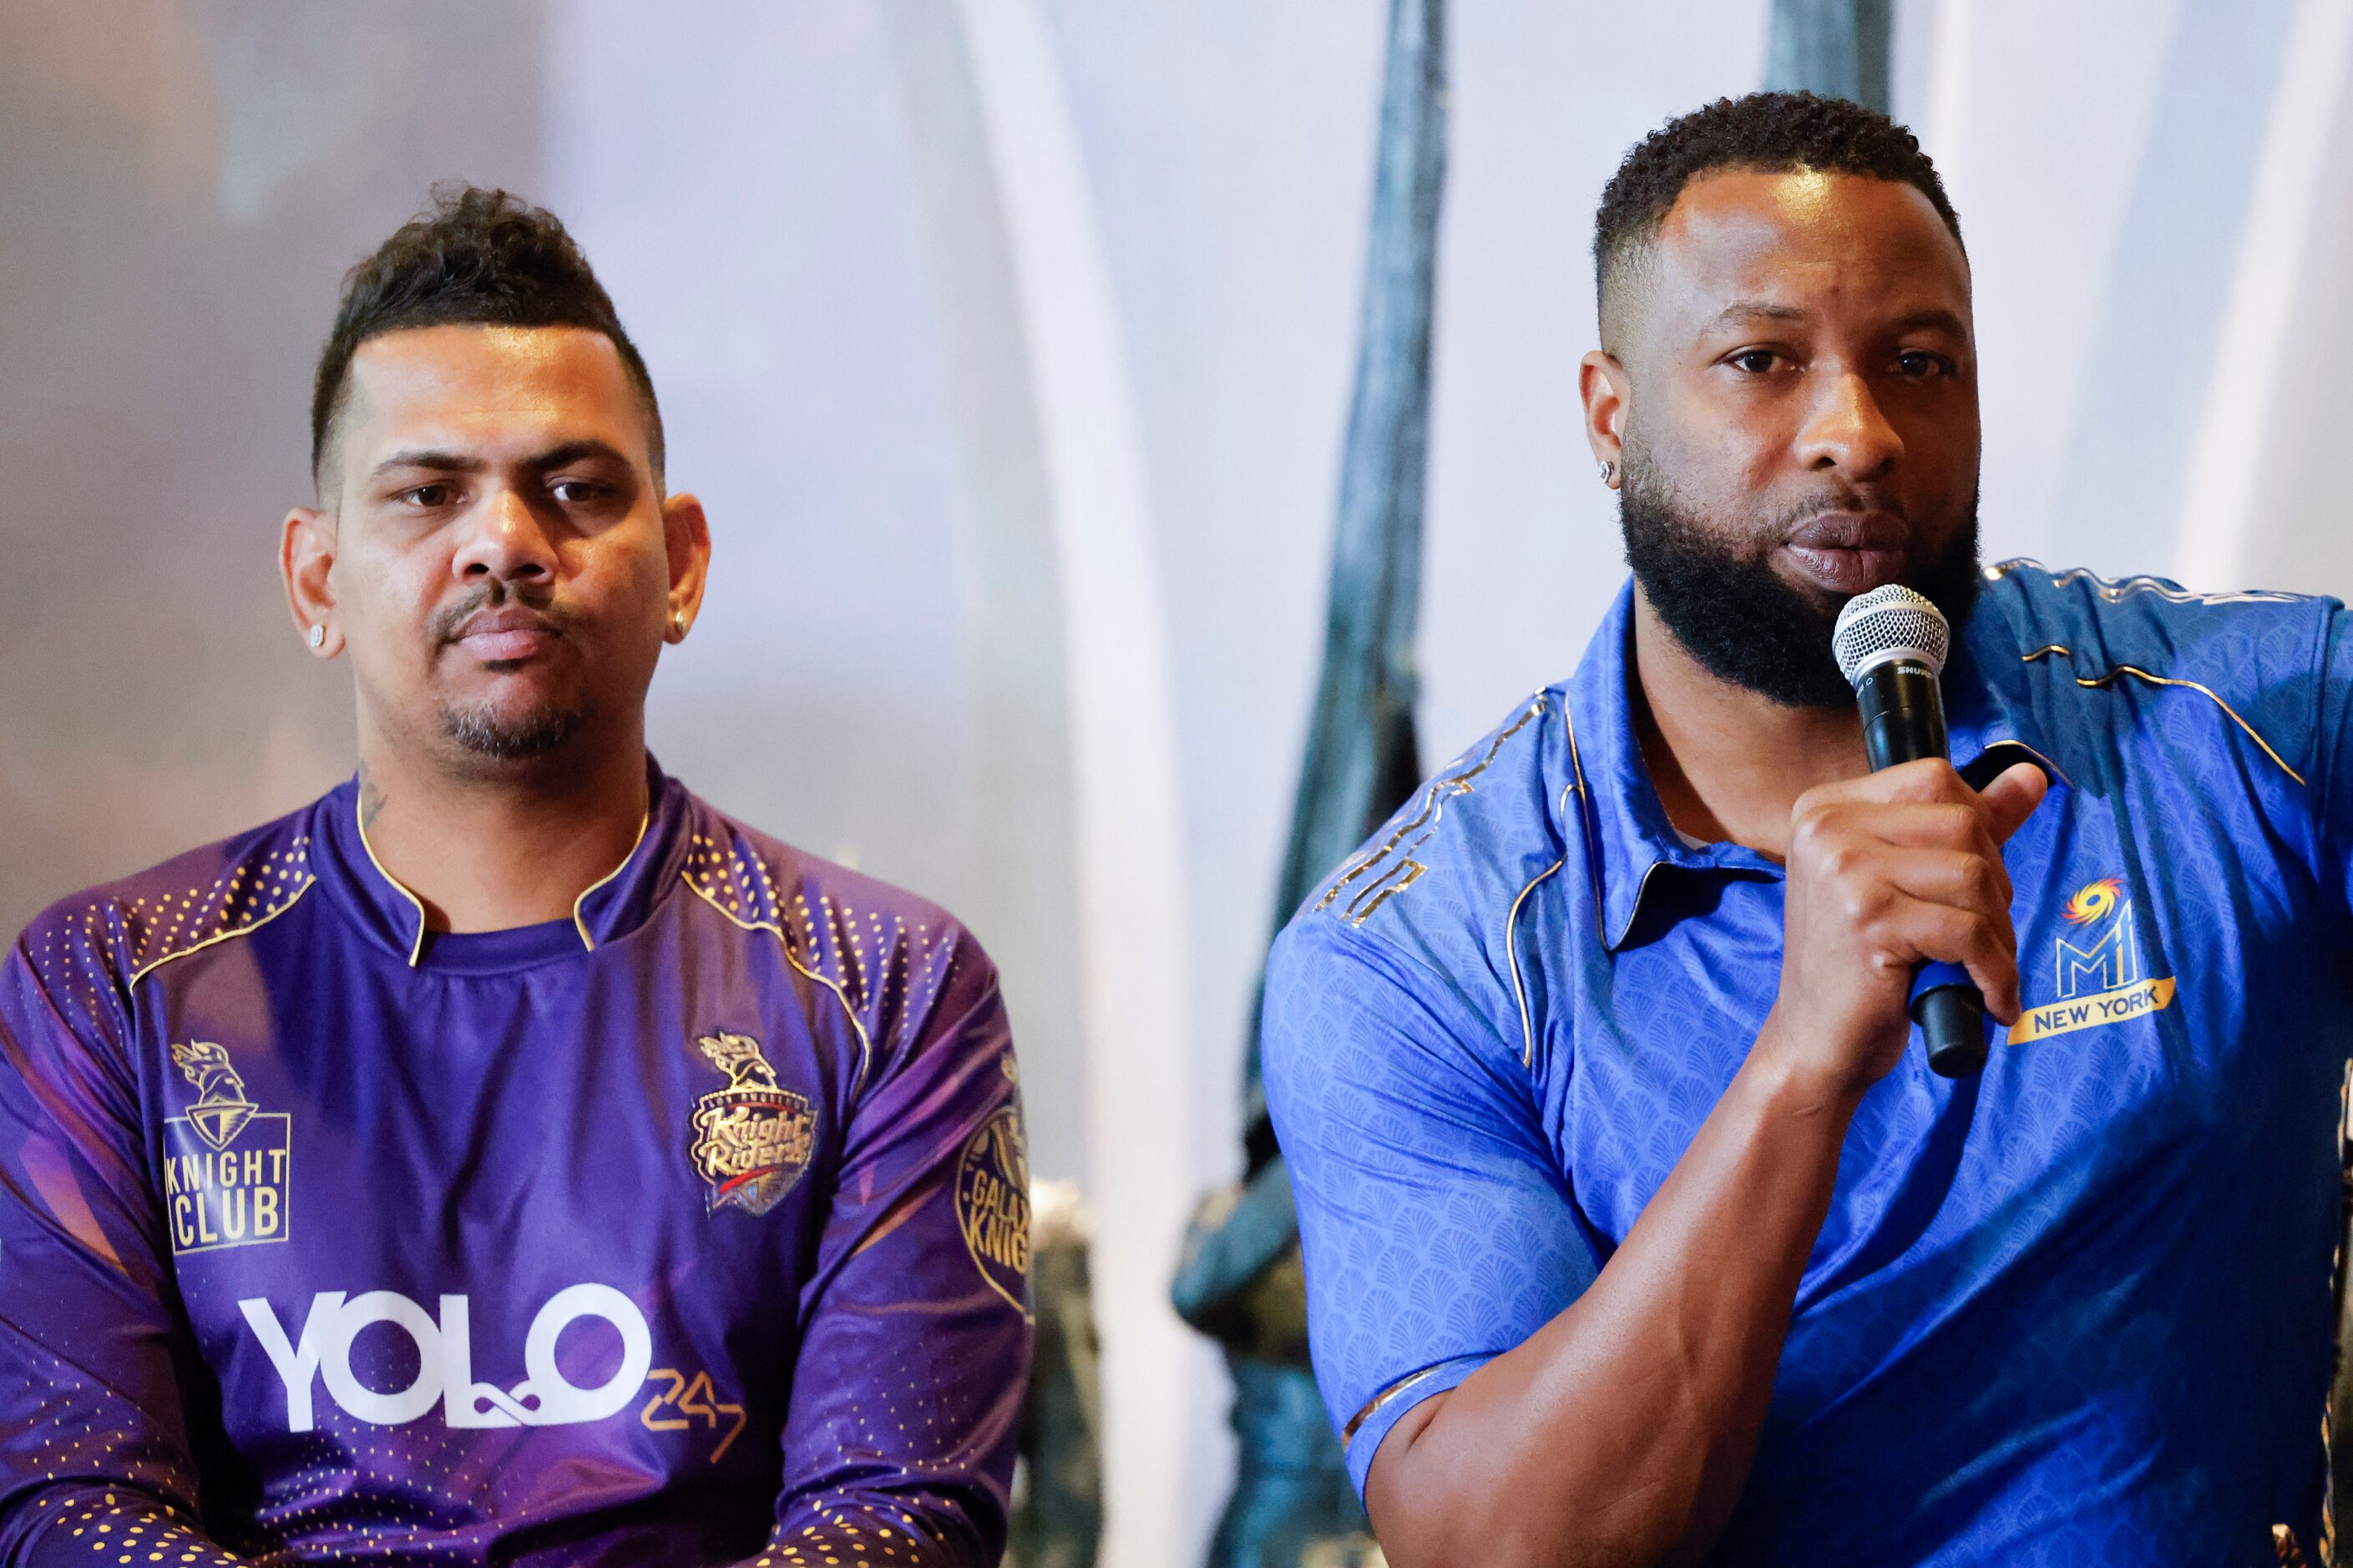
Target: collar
1633,844
613,906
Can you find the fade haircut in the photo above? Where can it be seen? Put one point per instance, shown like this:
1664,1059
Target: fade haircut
478,258
1765,133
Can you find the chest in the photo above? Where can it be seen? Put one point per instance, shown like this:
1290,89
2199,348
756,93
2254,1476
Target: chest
398,1195
2183,1025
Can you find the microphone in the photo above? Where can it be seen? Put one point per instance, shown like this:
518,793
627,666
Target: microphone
1891,644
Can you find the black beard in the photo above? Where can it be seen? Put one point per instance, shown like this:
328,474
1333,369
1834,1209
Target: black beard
486,733
1745,622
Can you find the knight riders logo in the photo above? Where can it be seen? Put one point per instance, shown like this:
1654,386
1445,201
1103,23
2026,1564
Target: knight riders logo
752,1139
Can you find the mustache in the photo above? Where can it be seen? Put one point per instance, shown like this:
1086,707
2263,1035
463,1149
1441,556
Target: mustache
449,623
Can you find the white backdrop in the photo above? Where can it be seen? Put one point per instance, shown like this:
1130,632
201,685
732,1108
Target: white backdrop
1008,341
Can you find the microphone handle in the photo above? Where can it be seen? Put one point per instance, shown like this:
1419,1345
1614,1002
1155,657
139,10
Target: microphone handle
1904,721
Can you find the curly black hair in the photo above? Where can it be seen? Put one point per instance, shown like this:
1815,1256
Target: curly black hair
478,257
1772,133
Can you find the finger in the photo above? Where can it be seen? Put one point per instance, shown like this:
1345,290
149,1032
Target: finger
1957,880
2011,799
1914,930
1959,825
1930,778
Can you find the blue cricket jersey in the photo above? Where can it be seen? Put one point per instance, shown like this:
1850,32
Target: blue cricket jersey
2073,1311
691,1229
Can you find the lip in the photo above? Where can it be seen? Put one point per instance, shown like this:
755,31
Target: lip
501,635
1850,551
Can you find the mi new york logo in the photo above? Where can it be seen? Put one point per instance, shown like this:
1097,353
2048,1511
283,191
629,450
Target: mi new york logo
2095,968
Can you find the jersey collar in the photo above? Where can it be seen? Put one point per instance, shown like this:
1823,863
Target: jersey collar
612,907
1637,852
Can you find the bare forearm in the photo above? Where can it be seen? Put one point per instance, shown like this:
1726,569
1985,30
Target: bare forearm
1620,1432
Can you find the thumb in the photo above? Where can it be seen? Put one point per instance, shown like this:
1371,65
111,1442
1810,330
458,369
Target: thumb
2011,799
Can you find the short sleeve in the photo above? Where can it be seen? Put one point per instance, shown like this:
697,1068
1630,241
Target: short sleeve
1439,1228
2335,782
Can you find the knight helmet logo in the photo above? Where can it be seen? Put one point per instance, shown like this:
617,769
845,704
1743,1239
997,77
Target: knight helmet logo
752,1139
222,1108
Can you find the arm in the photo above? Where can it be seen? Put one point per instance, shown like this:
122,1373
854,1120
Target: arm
1620,1431
93,1442
914,1352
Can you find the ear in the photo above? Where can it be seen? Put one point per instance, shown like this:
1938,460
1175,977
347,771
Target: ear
306,559
1605,388
686,537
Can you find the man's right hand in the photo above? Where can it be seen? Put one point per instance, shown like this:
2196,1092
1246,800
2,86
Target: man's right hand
1886,872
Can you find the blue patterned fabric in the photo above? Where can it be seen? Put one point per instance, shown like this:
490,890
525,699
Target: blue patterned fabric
2076,1309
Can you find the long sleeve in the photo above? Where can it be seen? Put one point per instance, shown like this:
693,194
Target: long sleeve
95,1463
915,1345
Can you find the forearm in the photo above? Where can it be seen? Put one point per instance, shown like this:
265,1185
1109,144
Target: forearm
80,1523
1620,1432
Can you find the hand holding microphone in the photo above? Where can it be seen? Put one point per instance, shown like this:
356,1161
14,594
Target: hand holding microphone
1898,870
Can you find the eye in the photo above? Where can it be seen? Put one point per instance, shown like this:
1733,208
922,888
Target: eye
1919,364
427,496
1755,362
579,492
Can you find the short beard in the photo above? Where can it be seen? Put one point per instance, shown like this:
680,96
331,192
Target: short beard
524,737
1742,620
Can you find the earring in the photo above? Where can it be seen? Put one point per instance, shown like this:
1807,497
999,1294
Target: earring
1608,473
318,637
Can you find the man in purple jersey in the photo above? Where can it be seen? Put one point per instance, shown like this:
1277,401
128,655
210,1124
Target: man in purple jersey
506,1157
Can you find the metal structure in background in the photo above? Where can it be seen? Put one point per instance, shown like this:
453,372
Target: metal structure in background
1839,48
1240,1280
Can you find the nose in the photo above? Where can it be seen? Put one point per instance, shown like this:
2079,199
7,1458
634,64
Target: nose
507,540
1847,432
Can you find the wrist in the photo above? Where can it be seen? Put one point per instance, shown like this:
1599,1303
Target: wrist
1789,1081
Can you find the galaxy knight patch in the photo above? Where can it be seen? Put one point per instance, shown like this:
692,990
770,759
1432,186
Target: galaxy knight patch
992,1199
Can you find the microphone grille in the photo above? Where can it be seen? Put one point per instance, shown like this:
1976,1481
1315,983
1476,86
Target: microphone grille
1889,622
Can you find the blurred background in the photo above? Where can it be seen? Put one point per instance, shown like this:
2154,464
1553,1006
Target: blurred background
1009,344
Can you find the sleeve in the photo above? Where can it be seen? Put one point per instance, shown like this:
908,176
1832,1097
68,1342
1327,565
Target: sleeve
94,1455
914,1354
2334,760
1439,1229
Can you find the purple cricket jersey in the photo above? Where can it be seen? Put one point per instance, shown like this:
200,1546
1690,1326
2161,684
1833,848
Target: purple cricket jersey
690,1229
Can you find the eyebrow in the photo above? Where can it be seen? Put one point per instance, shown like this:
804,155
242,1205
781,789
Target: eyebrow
1768,311
435,460
1754,310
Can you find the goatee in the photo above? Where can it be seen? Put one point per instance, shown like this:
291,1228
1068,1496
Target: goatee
508,738
1742,620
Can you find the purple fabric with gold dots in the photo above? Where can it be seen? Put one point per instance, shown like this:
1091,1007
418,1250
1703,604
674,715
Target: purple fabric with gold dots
692,1228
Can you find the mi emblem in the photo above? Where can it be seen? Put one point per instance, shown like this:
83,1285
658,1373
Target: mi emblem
2096,974
753,1137
226,1160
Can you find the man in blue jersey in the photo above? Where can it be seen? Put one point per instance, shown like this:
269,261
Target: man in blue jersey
1637,1229
507,1157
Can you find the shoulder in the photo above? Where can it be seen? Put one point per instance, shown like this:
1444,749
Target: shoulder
1427,903
897,961
85,952
2069,642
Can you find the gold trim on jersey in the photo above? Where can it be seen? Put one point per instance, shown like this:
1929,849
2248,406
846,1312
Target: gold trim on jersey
2101,682
865,1045
578,923
416,948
